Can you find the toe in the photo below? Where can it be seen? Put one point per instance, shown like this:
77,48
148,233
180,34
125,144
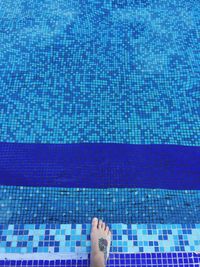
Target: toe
100,224
109,234
107,229
94,222
103,226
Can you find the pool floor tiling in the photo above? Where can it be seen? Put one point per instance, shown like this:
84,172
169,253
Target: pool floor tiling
99,100
100,71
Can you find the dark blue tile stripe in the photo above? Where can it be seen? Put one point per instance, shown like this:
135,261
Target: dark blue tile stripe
119,260
100,165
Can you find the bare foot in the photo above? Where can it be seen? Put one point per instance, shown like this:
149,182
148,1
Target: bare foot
100,243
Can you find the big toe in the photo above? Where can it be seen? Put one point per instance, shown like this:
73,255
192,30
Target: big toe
94,223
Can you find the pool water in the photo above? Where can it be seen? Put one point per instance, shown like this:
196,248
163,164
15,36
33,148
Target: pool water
100,116
111,71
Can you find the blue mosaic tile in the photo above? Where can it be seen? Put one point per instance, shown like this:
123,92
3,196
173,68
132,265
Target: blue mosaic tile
115,71
78,205
148,238
118,260
110,72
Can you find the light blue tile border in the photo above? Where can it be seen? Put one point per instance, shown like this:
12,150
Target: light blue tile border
75,238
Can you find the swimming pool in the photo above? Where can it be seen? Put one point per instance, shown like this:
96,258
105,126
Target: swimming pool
100,116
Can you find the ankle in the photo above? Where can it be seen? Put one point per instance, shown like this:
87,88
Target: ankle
96,260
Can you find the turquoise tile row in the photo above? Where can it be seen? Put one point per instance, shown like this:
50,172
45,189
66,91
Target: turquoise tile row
33,205
132,238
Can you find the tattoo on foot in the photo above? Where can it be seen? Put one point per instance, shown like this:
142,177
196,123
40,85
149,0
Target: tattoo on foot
103,244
